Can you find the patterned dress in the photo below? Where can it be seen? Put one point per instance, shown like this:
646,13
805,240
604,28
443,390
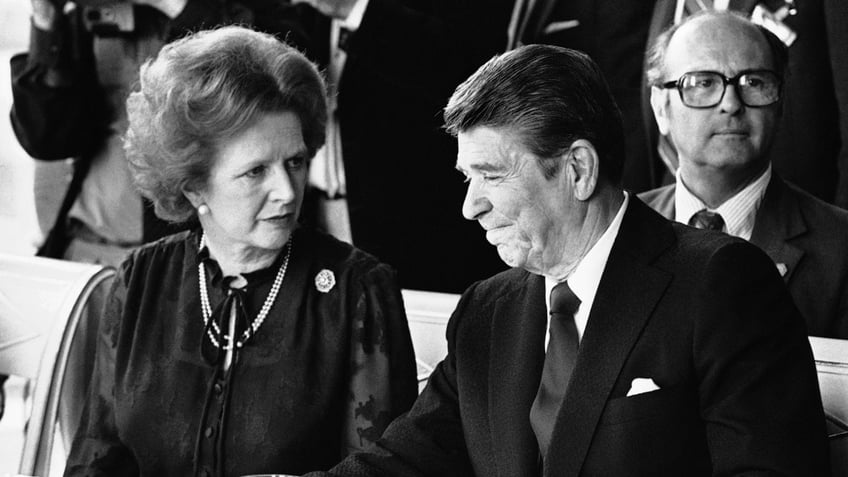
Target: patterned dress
330,367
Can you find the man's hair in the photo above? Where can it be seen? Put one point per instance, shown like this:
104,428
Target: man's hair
201,91
547,96
655,68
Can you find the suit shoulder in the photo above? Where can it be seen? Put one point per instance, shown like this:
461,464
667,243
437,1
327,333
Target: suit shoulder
506,282
818,211
654,196
696,246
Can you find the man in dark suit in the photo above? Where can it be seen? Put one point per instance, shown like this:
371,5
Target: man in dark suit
685,353
811,145
723,139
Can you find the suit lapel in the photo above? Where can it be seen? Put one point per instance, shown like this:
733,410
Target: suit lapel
518,334
628,292
778,220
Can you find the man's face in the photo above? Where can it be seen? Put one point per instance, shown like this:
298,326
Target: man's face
729,136
524,214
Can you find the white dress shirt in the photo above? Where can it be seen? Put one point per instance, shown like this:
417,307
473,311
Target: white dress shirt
739,212
586,277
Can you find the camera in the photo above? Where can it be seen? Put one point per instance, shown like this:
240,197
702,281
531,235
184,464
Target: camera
108,18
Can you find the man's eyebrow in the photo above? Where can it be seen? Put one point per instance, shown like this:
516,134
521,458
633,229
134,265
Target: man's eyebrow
480,167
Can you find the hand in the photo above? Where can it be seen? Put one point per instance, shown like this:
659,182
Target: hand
332,8
46,13
171,8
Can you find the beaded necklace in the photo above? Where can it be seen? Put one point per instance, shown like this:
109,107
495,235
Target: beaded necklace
260,317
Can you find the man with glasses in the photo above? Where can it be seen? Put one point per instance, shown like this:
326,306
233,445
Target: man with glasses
717,86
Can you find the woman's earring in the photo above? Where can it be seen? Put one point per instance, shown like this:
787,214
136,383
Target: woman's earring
202,209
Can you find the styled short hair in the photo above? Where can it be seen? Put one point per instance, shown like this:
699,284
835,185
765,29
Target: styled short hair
655,66
550,97
204,89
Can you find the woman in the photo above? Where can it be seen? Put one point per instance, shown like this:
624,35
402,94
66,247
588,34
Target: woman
249,344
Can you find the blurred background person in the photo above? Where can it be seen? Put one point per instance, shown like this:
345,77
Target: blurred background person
249,344
391,64
810,148
717,94
68,92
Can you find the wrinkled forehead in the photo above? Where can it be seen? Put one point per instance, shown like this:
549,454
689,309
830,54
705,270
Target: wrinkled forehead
725,44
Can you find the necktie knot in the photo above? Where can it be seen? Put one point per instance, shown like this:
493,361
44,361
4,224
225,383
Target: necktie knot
563,300
704,219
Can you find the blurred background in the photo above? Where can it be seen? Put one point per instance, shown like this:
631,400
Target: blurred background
19,231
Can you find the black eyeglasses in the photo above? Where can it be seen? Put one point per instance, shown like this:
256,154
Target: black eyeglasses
705,89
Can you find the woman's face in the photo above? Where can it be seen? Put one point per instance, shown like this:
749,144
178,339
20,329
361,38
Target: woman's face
256,184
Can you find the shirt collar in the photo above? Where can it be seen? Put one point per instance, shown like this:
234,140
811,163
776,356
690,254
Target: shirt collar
739,212
586,277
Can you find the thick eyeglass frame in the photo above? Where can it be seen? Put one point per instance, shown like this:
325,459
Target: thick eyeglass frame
678,84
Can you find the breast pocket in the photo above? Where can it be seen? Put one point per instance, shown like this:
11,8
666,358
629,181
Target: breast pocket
655,433
660,404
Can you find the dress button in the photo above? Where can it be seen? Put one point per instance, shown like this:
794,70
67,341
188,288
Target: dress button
209,432
218,388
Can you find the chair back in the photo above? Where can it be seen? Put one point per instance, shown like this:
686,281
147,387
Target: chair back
428,314
831,357
41,301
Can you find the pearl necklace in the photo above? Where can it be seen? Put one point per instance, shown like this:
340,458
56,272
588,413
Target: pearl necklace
260,317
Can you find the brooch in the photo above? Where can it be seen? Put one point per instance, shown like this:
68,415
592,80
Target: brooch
325,281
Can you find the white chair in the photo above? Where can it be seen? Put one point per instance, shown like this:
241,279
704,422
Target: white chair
428,314
831,357
41,301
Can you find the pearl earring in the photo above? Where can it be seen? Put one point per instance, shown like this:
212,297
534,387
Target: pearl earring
202,209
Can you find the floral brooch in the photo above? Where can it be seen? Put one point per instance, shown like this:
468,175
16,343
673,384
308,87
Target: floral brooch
325,281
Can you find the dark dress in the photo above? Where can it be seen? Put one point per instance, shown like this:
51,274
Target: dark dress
323,376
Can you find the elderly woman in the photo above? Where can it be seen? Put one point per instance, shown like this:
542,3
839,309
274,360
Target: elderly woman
250,344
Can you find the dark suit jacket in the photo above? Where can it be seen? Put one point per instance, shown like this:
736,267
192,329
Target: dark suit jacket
703,314
811,146
404,193
807,236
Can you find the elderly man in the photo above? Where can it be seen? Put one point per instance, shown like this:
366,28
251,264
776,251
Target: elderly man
670,351
717,93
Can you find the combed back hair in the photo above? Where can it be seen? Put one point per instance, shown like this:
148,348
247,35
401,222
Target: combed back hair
655,68
549,97
201,91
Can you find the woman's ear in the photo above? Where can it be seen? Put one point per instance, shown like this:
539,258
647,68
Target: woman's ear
194,197
583,167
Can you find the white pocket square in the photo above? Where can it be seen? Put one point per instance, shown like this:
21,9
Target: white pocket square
781,268
642,386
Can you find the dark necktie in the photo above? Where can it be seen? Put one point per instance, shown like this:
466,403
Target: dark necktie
559,363
704,219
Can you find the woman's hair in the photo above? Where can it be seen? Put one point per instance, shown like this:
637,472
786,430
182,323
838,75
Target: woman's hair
201,91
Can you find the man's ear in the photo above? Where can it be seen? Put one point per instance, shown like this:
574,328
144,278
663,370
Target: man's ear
659,103
582,168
